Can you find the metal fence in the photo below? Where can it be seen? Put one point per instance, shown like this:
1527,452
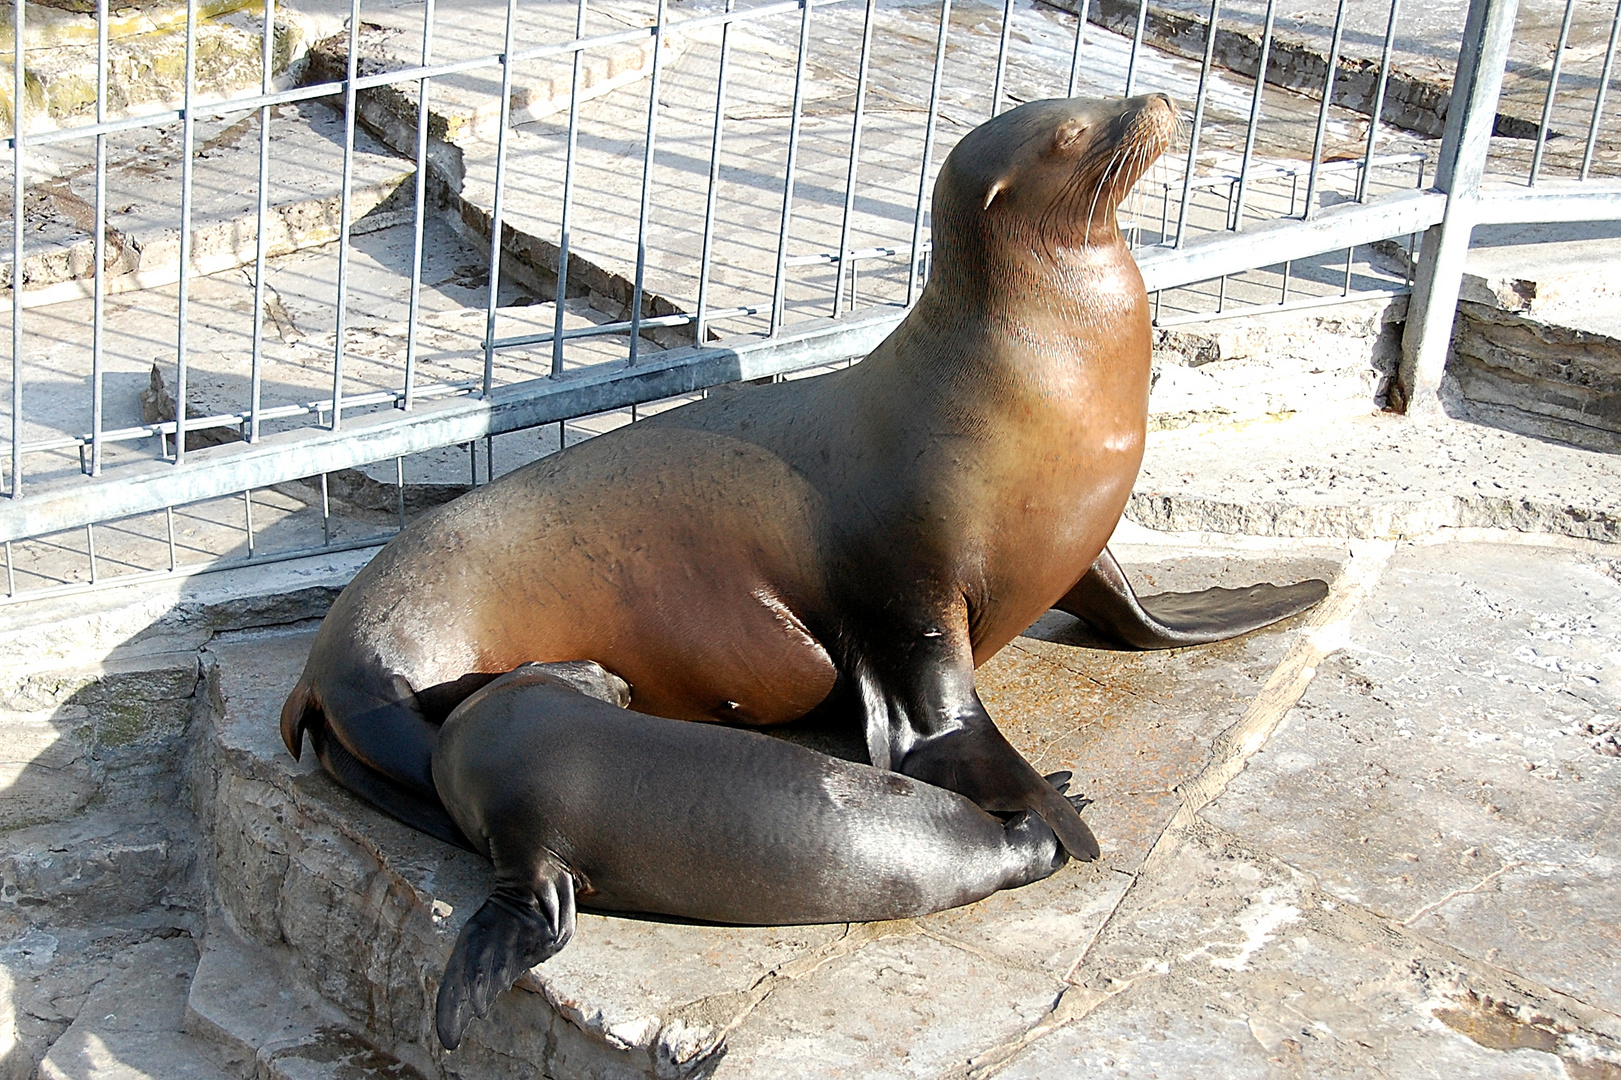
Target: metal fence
746,198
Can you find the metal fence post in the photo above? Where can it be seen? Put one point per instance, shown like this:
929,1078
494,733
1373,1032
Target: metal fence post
1464,144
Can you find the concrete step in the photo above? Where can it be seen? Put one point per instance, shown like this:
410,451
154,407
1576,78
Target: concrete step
129,1028
244,1008
1373,476
96,868
466,107
71,736
143,201
146,56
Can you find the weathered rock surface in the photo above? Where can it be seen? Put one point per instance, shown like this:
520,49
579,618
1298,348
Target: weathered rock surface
1536,346
130,1026
364,910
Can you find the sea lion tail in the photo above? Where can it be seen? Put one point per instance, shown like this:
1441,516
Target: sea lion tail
517,928
297,711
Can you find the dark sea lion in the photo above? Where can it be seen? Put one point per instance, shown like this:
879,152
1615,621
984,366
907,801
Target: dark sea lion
577,801
857,543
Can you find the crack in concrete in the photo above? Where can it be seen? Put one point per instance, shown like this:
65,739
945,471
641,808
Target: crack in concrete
1325,633
724,1013
1074,1003
1429,909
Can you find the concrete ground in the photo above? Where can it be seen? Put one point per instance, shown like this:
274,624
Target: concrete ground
1372,842
1375,841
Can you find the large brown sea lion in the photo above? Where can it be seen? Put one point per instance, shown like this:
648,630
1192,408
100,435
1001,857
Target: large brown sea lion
855,543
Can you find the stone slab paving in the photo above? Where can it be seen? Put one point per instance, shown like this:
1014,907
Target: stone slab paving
1454,768
130,1026
1226,962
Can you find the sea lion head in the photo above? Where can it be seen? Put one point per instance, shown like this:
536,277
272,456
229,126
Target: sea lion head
1047,175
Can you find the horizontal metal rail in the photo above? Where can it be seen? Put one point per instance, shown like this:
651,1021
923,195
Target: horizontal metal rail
226,470
1548,203
1335,229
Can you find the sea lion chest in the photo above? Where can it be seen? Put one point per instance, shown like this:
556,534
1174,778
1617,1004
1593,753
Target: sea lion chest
1066,403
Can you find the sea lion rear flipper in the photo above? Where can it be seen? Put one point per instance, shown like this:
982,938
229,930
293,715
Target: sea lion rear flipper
396,800
1105,601
520,925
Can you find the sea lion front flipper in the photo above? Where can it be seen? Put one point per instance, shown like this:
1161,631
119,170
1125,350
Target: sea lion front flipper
520,925
1105,601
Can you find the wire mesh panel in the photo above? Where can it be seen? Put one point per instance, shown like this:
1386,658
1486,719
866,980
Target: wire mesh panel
285,307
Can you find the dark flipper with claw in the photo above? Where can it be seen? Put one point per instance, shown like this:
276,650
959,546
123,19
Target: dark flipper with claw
1104,600
518,927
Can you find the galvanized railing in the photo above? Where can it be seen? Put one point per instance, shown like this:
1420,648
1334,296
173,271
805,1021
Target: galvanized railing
1268,204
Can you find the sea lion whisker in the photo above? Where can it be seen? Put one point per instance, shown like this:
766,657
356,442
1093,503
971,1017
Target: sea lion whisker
1103,182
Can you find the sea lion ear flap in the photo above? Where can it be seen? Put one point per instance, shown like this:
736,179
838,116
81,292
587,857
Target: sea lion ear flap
999,185
1068,132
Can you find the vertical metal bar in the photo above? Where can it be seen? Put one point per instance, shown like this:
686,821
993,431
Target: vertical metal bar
168,520
247,517
1283,298
913,269
344,213
1136,46
496,221
489,459
1603,89
419,215
188,137
1001,58
565,222
11,576
1553,89
399,485
472,463
1075,57
1255,115
90,549
780,283
1378,101
1464,147
1221,294
326,512
1198,119
700,325
1322,113
19,101
99,245
647,189
256,376
850,174
1350,257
